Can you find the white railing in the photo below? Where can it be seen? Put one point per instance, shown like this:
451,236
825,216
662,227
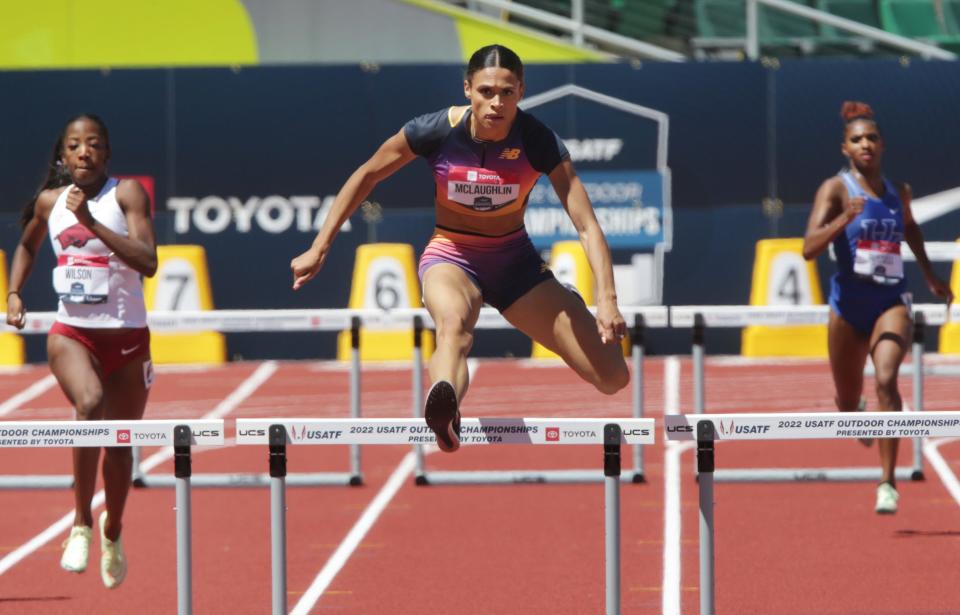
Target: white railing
580,32
924,50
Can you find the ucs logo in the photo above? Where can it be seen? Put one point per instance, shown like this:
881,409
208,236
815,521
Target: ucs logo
123,436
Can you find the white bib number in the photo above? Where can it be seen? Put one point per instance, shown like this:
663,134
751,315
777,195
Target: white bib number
879,261
82,284
481,189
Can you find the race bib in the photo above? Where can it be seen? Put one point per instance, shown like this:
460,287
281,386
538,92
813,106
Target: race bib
879,261
82,279
481,189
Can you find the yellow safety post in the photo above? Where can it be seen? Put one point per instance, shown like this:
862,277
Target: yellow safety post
950,332
781,276
569,264
11,344
384,277
183,283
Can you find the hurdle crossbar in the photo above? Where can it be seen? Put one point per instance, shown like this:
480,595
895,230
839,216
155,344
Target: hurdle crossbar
182,435
706,429
642,317
611,433
700,317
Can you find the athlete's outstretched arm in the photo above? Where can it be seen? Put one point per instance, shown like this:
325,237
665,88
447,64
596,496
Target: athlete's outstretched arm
25,255
391,157
570,190
829,216
914,239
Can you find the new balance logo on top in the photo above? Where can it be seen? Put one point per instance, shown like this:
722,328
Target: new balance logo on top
510,153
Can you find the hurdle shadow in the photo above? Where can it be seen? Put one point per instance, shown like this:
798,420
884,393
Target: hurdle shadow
30,599
927,533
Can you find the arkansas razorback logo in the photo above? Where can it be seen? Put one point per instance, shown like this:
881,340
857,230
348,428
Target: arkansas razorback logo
77,236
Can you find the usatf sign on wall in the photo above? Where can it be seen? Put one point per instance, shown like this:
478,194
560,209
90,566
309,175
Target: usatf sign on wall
629,206
621,161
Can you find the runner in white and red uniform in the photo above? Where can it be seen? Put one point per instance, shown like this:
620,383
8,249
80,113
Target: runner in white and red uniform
485,158
99,347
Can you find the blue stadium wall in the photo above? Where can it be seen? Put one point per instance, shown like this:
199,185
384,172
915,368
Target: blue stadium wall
739,133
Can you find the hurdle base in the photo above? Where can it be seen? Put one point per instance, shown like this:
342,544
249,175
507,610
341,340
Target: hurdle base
37,481
810,475
213,480
517,477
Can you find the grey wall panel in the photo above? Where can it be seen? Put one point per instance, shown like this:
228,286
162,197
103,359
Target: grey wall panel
335,31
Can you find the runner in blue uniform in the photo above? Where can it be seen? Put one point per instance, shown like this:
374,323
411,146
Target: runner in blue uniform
866,217
486,157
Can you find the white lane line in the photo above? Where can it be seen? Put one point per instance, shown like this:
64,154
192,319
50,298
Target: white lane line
931,452
366,521
930,448
671,386
36,389
355,536
672,535
246,388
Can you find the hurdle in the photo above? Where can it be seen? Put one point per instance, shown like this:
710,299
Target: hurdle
642,317
234,321
698,318
240,321
707,429
180,434
609,432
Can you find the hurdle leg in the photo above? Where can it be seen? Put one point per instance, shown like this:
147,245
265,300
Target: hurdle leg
356,477
419,472
611,472
278,518
636,341
136,476
916,472
699,335
705,467
182,470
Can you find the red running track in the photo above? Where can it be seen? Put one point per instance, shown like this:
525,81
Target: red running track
792,549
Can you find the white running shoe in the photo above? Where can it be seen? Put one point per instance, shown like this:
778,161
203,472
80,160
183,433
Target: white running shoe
113,563
887,497
76,550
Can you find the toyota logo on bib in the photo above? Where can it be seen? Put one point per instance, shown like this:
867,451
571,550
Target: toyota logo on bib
123,436
553,434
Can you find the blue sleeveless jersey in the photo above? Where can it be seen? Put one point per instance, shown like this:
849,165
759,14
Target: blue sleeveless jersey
860,298
880,221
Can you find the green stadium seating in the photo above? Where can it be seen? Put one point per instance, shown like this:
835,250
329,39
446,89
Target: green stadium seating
643,18
718,19
912,18
951,16
779,31
860,11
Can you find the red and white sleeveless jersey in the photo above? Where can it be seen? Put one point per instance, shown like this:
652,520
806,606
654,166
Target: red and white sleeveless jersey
97,290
